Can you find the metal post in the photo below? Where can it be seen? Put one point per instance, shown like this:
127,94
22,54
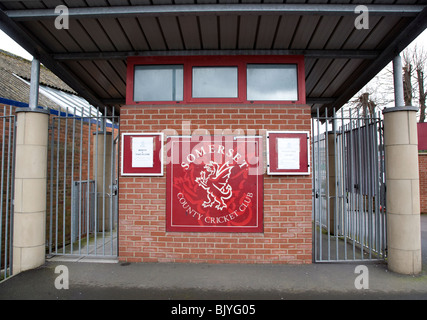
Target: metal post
398,81
112,178
319,186
34,86
52,146
328,197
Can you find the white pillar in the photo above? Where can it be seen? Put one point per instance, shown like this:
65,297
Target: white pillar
403,194
29,231
402,180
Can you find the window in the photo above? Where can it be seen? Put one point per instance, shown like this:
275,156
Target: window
215,82
221,79
158,83
277,82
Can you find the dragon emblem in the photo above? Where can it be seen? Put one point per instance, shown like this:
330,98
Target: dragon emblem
215,181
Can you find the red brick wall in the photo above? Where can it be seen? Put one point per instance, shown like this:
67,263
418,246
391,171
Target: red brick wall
287,236
422,163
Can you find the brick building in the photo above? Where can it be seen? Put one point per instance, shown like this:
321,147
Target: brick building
286,237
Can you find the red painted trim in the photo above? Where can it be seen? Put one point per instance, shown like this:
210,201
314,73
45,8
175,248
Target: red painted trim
273,154
126,160
422,135
193,61
129,81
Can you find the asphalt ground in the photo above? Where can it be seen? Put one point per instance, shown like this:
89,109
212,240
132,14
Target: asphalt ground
188,284
150,281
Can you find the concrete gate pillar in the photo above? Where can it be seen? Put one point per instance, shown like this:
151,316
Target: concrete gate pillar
30,189
403,194
402,179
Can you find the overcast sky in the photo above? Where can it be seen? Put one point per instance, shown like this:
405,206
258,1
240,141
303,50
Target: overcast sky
7,44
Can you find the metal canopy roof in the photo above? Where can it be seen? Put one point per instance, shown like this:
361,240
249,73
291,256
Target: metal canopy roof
91,55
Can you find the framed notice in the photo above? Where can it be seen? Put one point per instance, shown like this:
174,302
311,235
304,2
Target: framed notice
288,153
214,184
142,154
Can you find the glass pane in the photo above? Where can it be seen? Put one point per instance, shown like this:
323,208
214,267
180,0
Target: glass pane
158,83
272,82
215,82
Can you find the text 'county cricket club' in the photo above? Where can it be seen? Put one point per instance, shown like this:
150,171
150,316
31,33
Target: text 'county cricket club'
215,184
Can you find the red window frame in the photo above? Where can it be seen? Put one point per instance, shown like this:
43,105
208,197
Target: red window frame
272,152
126,155
241,61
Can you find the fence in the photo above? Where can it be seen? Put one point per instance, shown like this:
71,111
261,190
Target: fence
7,179
348,188
82,209
82,183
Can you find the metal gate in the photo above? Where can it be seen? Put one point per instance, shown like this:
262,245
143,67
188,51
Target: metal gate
348,188
7,186
82,183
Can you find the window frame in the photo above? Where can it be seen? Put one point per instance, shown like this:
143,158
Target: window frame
294,67
196,99
239,61
150,101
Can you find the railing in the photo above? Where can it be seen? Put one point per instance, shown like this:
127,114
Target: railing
348,188
82,176
7,188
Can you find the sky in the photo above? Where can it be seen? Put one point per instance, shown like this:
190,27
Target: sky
7,44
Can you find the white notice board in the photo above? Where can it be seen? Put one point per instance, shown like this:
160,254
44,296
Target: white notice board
142,152
288,153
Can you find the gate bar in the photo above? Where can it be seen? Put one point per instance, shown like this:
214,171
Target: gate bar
336,186
65,180
96,179
9,179
1,186
88,187
72,226
112,178
320,189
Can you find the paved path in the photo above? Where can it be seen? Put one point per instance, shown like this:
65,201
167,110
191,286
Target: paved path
88,280
201,281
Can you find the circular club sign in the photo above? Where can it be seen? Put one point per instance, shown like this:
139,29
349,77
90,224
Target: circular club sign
214,184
